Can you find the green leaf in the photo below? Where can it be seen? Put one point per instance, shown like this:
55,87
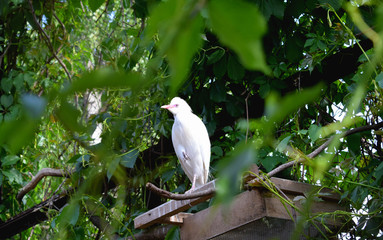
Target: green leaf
128,160
95,4
18,82
309,42
283,144
270,162
353,143
29,79
112,166
240,26
13,175
277,109
336,4
167,175
314,132
17,133
106,78
182,51
235,70
264,90
173,234
140,8
179,32
218,92
9,160
379,79
233,109
6,84
217,151
230,169
6,100
294,48
69,117
70,214
215,56
379,172
34,105
219,69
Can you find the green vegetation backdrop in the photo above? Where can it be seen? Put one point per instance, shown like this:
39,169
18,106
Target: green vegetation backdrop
273,80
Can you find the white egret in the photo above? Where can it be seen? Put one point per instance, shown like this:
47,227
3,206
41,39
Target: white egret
190,141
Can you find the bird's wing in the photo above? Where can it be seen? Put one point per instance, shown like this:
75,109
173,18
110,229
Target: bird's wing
190,135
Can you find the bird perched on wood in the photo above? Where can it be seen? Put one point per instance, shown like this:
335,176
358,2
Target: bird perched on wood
190,141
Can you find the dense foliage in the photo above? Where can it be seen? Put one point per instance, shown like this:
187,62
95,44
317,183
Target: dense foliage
273,80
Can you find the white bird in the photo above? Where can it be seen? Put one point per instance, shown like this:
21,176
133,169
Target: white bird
190,141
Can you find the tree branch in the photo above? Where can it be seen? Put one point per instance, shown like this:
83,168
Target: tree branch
174,196
48,41
36,179
32,216
317,151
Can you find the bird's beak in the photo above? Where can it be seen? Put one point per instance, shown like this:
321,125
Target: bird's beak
168,106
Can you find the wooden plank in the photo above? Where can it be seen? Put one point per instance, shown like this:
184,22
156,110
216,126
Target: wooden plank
300,188
158,214
177,219
246,207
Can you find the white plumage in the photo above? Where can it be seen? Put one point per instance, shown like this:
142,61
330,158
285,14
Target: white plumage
190,141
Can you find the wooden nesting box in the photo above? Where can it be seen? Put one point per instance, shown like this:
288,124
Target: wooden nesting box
254,214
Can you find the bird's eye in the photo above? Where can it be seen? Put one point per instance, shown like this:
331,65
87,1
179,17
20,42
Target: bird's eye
177,105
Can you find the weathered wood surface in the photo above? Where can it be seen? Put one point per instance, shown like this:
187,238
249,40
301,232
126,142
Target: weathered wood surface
168,209
253,204
246,207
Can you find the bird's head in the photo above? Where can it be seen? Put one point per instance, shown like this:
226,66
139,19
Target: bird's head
177,105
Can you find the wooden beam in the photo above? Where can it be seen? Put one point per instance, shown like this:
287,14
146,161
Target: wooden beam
168,209
301,188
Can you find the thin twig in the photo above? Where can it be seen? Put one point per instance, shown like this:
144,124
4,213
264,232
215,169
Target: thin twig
106,7
48,40
5,52
174,196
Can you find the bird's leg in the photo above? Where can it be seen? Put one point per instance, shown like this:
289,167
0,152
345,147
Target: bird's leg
193,183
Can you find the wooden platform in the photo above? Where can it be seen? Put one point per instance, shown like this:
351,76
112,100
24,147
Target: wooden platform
247,207
167,212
